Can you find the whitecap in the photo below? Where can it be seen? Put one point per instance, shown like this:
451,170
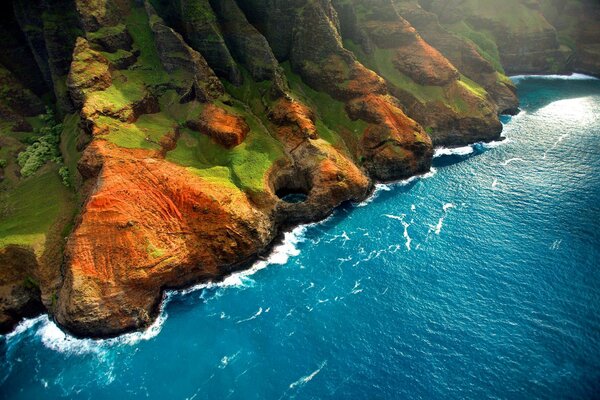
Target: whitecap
447,206
438,228
510,160
399,218
227,359
495,183
259,312
25,325
406,236
305,379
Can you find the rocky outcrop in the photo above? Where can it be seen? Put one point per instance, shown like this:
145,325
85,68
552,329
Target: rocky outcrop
198,24
90,71
199,81
19,286
148,225
209,126
247,44
223,127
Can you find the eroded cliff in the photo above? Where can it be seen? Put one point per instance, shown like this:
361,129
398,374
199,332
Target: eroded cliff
187,125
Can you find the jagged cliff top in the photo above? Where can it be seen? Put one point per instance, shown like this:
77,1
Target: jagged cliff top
177,129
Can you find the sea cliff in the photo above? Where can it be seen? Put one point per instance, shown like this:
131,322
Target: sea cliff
178,131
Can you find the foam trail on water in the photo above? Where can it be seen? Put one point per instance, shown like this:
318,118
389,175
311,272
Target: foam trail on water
407,238
510,160
260,311
305,379
437,229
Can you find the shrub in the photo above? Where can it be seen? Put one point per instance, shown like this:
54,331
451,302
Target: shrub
44,148
65,176
3,163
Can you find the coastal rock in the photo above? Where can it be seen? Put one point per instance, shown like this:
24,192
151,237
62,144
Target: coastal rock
19,286
149,225
208,127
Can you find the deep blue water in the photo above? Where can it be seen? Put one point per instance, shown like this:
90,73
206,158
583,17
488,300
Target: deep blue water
480,280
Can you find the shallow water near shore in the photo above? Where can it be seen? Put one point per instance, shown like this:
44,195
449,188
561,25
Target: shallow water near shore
478,280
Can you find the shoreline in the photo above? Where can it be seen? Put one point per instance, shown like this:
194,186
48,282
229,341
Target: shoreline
260,260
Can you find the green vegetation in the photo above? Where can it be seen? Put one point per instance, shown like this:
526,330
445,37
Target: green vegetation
472,86
65,176
482,40
153,251
244,166
511,13
381,62
28,211
145,133
68,147
45,147
106,31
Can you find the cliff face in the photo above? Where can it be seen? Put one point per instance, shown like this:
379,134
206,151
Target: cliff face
186,126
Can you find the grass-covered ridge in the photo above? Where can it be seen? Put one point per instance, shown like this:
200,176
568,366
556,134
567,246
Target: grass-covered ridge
245,166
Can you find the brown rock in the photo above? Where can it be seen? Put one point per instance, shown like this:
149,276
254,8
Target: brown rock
225,128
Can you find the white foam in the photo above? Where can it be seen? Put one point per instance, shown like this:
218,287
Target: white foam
495,143
25,325
227,359
457,151
448,206
259,312
510,160
399,218
406,236
438,228
556,143
495,183
305,379
386,187
574,77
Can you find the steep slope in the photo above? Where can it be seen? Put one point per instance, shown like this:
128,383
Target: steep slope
194,131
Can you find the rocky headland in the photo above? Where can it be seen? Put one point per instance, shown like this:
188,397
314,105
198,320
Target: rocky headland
148,145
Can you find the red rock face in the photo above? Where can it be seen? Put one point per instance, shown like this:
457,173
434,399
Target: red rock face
424,64
149,224
225,128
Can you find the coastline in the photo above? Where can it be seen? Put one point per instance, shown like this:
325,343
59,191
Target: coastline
281,246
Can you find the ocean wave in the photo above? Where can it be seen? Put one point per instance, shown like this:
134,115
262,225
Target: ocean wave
386,187
574,77
511,160
54,338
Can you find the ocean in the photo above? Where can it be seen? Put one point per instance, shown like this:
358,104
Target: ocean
480,279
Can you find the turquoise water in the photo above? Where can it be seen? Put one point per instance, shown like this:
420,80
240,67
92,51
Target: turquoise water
479,280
